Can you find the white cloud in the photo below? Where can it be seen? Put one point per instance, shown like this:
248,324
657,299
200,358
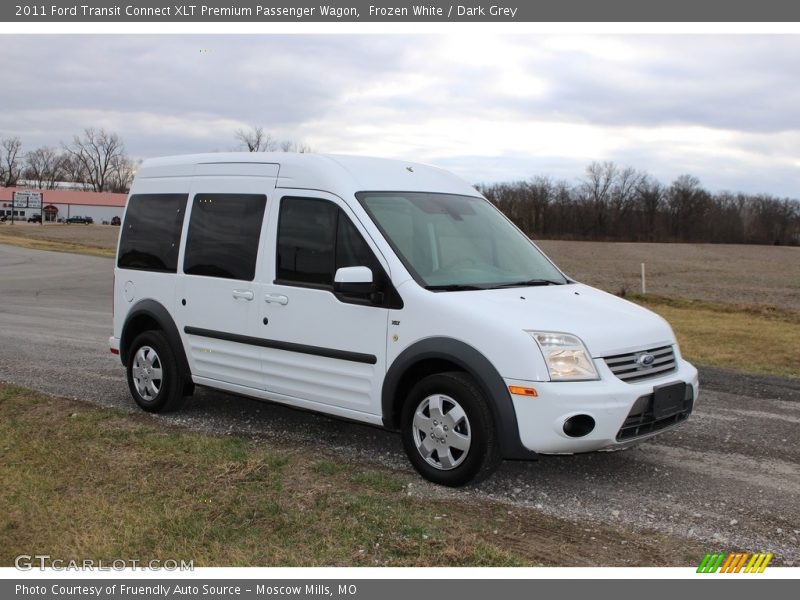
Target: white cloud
490,107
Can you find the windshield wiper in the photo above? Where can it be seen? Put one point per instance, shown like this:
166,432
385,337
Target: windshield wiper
528,283
453,287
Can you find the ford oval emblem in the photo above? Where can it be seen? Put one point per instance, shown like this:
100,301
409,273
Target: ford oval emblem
645,360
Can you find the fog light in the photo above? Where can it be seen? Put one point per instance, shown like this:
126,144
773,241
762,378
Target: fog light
578,426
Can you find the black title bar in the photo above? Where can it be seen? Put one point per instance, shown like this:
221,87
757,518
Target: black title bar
265,11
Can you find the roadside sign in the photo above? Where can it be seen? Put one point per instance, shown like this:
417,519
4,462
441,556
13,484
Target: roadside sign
26,199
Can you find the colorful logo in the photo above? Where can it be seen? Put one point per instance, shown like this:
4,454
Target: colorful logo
734,562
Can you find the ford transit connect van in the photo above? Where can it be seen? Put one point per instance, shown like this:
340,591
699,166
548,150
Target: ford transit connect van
384,292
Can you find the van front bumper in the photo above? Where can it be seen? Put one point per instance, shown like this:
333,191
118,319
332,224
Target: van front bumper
608,401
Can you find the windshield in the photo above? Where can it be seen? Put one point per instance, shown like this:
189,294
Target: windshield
457,242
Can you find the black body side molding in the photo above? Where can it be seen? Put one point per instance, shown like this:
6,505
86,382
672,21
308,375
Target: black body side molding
358,357
478,366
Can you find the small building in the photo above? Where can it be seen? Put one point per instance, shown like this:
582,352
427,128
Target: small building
60,205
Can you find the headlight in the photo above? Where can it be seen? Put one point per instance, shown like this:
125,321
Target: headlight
566,357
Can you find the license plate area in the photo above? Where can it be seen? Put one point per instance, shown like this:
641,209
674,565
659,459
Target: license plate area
668,399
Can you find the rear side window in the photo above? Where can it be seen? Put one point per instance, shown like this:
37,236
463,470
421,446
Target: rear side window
223,237
151,234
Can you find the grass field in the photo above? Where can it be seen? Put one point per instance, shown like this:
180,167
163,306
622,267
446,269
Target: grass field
752,339
90,482
723,273
95,240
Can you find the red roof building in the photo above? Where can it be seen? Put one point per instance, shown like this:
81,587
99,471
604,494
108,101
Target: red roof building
62,204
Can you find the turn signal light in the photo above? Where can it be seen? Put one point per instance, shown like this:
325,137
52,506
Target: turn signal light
523,391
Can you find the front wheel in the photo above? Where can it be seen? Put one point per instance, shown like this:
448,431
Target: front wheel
153,376
448,430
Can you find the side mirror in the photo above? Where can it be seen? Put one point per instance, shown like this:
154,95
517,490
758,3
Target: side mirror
353,280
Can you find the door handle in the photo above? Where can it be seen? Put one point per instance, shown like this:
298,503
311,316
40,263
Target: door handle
243,294
277,298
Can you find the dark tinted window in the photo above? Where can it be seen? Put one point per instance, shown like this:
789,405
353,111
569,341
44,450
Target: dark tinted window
306,240
151,233
351,249
224,231
314,239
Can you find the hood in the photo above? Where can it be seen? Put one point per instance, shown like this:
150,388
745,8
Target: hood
607,324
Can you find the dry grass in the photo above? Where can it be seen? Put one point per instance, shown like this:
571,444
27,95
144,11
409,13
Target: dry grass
82,482
752,339
55,246
94,240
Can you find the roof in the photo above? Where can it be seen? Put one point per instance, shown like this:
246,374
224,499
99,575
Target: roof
331,172
69,197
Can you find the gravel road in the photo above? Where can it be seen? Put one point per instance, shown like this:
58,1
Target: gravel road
729,477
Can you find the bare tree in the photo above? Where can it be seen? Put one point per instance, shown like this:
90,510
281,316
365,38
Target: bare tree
44,167
121,178
687,203
651,201
626,184
597,189
598,181
256,139
74,170
624,204
10,162
624,198
99,155
292,146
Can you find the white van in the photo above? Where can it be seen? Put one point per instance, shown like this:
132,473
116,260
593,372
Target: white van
385,292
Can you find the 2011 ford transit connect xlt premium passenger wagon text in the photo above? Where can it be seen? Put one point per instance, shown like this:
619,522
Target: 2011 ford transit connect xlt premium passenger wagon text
384,292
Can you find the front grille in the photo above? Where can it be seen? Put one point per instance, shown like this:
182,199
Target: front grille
627,368
641,420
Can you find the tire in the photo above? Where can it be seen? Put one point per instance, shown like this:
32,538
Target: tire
448,411
153,376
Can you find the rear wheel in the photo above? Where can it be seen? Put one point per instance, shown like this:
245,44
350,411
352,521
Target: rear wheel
153,377
448,430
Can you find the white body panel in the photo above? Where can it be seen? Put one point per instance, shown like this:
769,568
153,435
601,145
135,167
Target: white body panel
218,304
132,286
493,322
314,317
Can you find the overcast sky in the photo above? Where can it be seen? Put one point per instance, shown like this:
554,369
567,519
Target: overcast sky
725,108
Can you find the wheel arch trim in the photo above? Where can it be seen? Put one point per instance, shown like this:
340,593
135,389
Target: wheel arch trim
158,313
478,367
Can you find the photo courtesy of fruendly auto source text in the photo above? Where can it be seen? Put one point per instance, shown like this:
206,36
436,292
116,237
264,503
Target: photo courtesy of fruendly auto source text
377,300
